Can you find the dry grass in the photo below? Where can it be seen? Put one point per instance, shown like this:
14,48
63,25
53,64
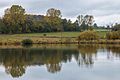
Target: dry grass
51,38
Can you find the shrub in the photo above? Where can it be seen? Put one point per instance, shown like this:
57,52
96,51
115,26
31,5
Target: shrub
44,35
27,41
113,35
88,35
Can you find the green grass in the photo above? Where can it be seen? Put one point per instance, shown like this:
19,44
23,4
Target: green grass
36,37
54,34
102,34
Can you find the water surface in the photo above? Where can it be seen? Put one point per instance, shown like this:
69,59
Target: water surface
63,62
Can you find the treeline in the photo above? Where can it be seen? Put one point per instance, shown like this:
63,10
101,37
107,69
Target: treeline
15,20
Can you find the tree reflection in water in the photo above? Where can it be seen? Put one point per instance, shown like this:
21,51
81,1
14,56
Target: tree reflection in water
16,61
87,52
15,71
114,49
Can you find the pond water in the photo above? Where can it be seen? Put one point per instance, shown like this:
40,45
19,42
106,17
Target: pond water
63,62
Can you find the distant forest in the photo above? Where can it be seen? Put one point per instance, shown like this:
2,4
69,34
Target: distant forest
16,20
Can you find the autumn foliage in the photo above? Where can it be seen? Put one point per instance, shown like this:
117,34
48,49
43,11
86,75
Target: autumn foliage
88,35
113,35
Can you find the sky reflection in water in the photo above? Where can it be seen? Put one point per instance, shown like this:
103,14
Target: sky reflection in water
83,62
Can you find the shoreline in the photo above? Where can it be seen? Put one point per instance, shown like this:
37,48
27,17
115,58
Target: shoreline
57,46
49,40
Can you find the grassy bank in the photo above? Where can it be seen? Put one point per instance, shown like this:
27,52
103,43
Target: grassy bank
38,38
52,38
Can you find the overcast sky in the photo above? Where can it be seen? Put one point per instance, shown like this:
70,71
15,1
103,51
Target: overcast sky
104,11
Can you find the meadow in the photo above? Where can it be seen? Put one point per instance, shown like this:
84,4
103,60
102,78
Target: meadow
43,37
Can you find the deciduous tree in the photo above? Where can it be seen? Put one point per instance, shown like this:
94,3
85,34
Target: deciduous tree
14,19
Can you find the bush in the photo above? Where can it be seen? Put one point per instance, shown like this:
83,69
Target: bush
113,35
88,35
44,35
27,41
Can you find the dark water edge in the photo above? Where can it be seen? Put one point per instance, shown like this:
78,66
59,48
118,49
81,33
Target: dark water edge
68,41
60,62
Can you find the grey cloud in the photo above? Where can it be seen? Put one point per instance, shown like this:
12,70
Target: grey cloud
3,4
69,8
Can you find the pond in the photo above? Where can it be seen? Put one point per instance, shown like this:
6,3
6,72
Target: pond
60,62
